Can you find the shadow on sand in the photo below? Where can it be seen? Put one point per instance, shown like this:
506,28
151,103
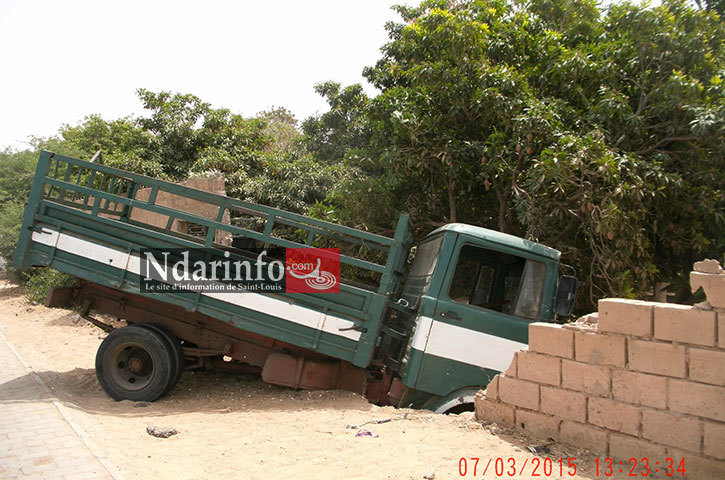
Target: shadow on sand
197,391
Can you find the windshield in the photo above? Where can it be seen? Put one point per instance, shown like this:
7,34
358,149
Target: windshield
426,259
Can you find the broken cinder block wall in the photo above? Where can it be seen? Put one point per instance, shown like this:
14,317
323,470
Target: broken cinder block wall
638,379
214,184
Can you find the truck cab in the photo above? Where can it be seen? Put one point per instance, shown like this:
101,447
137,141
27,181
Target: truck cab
470,296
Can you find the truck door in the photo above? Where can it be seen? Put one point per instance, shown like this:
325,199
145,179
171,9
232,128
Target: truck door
486,302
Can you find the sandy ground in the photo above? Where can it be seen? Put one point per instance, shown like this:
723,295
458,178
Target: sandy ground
237,427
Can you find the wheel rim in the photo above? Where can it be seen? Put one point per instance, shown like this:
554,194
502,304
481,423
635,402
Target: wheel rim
132,366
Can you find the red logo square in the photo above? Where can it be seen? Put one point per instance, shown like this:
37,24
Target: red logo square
310,270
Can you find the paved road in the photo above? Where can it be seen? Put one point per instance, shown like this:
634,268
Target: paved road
36,438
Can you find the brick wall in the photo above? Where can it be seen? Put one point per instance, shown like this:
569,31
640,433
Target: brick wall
189,205
638,379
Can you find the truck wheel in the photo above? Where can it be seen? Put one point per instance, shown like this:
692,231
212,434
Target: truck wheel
177,353
134,363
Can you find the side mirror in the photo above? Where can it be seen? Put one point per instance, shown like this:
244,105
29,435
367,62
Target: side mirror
565,295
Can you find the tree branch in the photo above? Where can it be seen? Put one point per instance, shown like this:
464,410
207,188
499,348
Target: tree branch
665,141
452,198
566,231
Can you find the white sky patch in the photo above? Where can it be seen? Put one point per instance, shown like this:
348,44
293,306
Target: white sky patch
62,61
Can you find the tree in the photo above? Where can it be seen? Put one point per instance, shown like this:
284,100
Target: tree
16,176
174,125
597,132
344,127
282,128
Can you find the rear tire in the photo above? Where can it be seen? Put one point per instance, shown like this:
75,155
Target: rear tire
177,353
134,363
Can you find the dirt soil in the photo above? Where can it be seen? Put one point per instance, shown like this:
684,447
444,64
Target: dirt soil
235,426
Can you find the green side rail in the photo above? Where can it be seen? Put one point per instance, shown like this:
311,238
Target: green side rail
97,203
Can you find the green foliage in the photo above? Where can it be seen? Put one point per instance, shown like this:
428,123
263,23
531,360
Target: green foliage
345,126
116,137
11,219
261,158
717,6
173,126
281,127
41,280
180,136
600,133
16,176
292,184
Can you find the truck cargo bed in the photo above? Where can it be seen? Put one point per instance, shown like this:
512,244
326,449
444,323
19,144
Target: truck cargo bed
93,221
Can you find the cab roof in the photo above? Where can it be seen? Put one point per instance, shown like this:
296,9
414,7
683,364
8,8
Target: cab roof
500,238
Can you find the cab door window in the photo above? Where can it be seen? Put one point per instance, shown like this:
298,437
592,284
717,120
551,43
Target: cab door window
498,281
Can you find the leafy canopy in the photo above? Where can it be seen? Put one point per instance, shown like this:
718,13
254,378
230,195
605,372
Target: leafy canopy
597,132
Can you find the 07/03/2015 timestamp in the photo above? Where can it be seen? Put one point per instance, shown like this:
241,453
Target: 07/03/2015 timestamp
503,467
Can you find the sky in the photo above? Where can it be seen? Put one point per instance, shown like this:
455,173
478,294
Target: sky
64,60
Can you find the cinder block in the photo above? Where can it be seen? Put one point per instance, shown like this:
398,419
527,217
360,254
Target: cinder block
564,403
697,399
714,440
539,368
492,389
657,357
721,329
586,436
630,317
592,379
639,388
519,393
624,447
614,415
709,265
481,394
712,284
537,424
673,430
684,323
551,339
707,366
696,466
599,349
512,370
496,412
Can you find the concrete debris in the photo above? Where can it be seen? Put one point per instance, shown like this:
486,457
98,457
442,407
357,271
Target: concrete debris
586,323
708,266
543,448
161,432
703,305
376,422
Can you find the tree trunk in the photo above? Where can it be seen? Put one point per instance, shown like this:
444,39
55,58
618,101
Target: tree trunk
503,221
660,292
452,199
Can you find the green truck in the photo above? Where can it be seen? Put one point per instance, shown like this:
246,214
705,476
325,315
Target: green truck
425,336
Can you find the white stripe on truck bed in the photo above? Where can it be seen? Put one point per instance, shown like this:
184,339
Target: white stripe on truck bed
252,301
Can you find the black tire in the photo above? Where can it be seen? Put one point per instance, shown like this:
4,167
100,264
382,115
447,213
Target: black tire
134,363
177,353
